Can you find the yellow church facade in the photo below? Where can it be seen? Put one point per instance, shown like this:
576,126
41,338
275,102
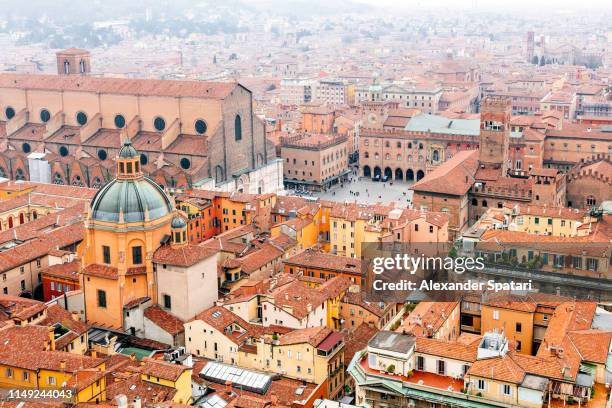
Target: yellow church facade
127,221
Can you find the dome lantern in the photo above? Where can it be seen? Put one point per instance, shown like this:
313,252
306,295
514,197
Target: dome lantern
178,228
128,162
131,196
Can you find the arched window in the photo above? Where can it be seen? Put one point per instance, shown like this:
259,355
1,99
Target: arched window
10,222
21,218
143,159
436,155
238,128
474,202
66,67
19,175
484,203
82,66
57,179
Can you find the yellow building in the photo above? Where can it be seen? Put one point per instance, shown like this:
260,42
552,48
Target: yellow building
29,361
168,374
128,219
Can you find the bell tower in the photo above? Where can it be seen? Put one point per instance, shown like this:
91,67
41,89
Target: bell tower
494,134
73,61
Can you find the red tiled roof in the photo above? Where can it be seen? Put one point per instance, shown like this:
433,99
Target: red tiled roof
122,86
162,369
101,271
325,261
593,345
165,320
68,270
455,350
185,256
454,177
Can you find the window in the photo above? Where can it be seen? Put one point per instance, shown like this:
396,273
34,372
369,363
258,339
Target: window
143,159
63,151
481,385
159,123
167,302
9,372
26,148
26,376
518,345
45,115
119,121
102,155
238,128
519,327
200,126
101,298
591,201
9,112
106,254
185,163
51,380
441,367
592,264
506,389
496,315
81,118
136,255
420,363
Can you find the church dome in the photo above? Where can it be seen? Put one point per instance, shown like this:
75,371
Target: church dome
178,222
132,197
127,150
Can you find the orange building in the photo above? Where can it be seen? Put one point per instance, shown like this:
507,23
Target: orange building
127,221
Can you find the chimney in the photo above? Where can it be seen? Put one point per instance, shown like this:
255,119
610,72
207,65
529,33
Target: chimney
63,365
309,307
75,316
94,354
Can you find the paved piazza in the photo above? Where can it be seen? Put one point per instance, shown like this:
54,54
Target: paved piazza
366,191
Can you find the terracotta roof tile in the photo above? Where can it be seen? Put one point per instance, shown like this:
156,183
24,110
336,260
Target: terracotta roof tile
165,320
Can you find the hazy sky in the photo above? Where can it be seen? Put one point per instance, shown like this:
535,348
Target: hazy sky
558,5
